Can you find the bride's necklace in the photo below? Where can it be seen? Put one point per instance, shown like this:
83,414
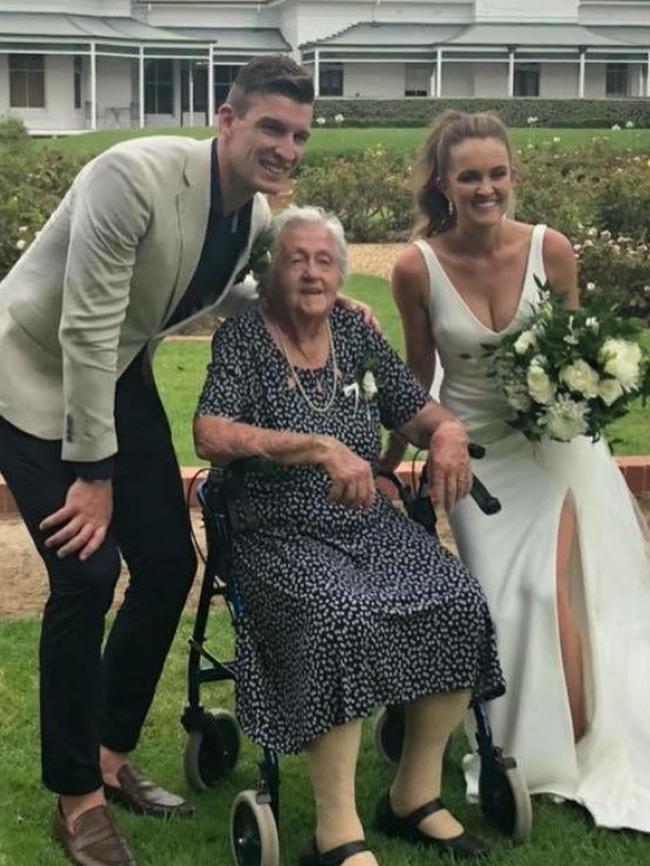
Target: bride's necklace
324,409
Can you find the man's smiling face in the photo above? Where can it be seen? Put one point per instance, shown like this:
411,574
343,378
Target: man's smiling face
266,143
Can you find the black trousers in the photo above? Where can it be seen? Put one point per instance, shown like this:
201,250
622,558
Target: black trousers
89,697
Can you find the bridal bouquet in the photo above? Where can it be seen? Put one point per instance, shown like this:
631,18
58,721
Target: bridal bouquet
570,373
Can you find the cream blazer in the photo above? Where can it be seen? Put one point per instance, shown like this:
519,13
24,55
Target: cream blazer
100,281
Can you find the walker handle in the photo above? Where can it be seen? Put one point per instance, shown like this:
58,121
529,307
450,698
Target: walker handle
479,493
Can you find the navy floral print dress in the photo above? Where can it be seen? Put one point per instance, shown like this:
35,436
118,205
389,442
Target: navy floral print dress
342,609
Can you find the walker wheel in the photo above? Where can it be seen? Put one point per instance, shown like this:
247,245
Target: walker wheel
504,798
253,832
388,731
212,749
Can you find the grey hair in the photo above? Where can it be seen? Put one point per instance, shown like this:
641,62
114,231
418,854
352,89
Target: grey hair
317,216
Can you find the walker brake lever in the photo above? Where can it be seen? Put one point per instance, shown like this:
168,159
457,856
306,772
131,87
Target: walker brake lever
479,493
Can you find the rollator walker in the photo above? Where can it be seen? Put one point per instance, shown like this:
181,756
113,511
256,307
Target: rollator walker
213,742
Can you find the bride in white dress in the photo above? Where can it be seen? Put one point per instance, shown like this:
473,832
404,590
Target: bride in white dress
566,563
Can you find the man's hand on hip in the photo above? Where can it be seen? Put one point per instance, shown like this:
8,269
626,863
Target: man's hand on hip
83,520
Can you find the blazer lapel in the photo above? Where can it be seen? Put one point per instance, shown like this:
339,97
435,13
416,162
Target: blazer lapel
192,208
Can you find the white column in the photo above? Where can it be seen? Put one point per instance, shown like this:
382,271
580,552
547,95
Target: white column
432,82
211,85
511,73
647,77
316,72
190,95
93,86
438,73
581,75
141,87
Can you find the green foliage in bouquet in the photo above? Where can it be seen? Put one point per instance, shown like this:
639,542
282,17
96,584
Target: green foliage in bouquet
568,373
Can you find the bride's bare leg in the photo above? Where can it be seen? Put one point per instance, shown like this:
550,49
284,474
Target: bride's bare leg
332,761
428,725
570,636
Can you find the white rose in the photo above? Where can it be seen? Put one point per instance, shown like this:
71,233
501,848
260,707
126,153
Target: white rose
622,359
21,244
566,418
592,323
615,127
609,390
338,118
540,387
369,385
525,341
629,124
321,121
580,377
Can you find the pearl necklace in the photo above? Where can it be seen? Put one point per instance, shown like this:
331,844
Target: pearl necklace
321,410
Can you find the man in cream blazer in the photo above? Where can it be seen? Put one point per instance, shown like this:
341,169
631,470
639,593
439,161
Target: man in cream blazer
151,233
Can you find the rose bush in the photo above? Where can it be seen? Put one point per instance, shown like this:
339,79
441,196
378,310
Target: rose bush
597,196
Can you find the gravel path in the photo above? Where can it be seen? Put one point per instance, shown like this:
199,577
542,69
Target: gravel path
377,259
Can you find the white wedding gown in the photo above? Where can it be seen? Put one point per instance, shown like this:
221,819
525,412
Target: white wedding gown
513,555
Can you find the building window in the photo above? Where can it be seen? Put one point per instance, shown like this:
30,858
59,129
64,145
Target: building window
526,79
77,69
223,79
617,79
416,79
331,79
26,81
159,87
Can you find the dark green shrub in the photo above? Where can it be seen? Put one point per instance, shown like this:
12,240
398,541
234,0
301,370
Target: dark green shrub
32,183
13,132
369,193
615,265
571,113
623,203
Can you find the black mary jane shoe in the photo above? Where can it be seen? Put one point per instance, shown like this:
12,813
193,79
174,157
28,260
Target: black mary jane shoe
462,847
333,857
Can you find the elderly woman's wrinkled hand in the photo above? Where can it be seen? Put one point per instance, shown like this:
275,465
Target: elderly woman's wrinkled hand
451,472
353,484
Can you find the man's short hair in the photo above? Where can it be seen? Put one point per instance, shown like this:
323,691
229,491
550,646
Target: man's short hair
267,74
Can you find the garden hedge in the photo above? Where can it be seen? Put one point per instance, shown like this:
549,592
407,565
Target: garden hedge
416,112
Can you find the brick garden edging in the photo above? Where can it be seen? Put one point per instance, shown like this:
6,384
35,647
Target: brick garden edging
635,469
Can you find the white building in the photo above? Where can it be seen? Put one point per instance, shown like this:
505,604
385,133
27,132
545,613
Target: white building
68,65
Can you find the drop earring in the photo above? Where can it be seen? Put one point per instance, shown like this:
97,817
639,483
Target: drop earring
451,210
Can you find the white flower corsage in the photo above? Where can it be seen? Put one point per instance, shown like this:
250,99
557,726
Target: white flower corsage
364,386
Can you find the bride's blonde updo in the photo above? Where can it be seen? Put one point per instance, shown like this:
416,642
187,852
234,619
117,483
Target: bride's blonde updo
434,214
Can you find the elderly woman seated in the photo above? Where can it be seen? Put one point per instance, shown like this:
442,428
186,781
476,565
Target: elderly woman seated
347,604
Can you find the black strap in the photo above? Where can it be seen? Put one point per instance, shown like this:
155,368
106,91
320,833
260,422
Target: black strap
423,811
336,856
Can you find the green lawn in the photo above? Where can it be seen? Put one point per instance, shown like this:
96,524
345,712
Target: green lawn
561,837
332,141
180,371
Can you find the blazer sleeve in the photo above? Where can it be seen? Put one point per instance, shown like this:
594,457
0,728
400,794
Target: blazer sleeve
110,212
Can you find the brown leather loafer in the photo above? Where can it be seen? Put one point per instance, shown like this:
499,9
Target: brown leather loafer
95,841
142,796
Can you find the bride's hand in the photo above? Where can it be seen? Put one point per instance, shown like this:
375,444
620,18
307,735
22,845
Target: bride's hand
451,472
